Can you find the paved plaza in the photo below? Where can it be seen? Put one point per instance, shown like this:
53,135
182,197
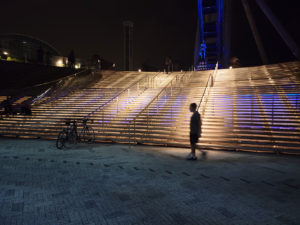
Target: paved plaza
117,184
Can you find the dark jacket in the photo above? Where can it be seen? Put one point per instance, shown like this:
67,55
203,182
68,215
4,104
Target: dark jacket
196,123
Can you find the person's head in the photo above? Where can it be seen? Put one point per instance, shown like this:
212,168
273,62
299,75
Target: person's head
193,107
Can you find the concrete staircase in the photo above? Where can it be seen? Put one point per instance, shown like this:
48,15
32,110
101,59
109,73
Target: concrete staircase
49,118
255,109
247,109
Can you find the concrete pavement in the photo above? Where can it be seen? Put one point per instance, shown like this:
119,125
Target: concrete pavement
115,184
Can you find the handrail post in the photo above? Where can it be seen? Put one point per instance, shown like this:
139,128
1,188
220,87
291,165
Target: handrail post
251,110
171,112
297,103
208,84
134,131
156,104
272,109
102,119
117,105
129,135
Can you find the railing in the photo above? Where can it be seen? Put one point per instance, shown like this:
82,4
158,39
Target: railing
55,87
47,88
141,85
167,89
210,83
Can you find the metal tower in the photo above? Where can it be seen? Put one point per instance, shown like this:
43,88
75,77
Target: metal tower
211,43
214,30
128,45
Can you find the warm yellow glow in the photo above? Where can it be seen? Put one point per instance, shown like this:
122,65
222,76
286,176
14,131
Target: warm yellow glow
140,70
5,53
59,63
77,66
230,67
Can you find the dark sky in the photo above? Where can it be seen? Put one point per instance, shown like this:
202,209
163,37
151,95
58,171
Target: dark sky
243,43
161,28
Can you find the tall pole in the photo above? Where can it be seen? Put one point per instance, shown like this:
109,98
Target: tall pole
128,45
220,30
255,33
227,18
200,19
199,34
279,28
197,46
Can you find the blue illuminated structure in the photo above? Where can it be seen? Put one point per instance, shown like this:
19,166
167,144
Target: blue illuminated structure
214,31
210,32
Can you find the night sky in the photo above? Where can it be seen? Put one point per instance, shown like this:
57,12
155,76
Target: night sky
161,28
243,44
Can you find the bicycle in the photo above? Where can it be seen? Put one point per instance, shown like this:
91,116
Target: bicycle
87,133
69,135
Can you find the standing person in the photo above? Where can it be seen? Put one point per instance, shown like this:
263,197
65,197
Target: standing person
203,51
168,63
195,130
26,108
71,59
8,106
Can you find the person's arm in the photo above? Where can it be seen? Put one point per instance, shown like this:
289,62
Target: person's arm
199,126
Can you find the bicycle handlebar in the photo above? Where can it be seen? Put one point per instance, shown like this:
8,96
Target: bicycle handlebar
68,122
84,121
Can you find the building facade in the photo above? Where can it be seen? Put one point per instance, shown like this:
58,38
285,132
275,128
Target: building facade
23,48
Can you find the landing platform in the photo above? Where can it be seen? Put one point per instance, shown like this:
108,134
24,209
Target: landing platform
115,184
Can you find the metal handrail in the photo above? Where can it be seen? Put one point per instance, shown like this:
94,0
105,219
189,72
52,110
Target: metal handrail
59,83
52,82
118,94
147,107
60,79
210,83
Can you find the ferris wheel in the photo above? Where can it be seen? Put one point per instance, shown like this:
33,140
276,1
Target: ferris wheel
214,32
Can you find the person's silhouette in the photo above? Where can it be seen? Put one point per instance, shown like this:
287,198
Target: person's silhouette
195,130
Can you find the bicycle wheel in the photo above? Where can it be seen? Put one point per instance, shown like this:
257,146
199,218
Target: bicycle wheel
91,135
71,140
87,135
61,140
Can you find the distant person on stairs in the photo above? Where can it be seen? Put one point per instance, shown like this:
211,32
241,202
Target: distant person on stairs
26,108
8,106
168,64
195,130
